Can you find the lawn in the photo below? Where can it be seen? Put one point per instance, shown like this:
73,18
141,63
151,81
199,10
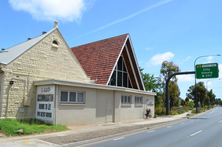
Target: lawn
13,127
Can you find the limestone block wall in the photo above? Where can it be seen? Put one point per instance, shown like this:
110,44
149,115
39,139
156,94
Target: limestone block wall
43,61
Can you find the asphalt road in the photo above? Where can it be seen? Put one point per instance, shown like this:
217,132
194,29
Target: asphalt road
202,131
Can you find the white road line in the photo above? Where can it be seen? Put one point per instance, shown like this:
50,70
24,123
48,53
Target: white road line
220,121
182,123
169,126
118,138
150,131
196,133
212,111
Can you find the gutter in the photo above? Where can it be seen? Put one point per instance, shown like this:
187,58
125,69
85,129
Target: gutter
90,85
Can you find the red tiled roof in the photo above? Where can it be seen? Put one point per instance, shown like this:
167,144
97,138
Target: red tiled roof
98,58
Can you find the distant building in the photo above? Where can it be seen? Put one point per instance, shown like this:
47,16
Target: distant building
95,83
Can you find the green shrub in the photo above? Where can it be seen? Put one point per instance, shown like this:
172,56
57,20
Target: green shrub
28,126
181,109
172,112
158,111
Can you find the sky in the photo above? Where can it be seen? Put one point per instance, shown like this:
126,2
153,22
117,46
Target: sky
172,30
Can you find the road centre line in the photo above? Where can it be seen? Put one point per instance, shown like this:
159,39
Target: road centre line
220,121
169,126
182,123
118,138
196,133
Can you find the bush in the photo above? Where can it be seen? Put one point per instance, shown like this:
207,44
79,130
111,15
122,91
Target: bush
173,112
158,111
181,109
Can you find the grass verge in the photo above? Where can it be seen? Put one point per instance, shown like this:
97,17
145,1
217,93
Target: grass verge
13,127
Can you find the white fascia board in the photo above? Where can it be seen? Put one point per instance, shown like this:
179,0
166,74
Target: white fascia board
136,63
90,85
2,63
117,59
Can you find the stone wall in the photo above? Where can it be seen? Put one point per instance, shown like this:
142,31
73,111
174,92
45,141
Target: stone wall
44,60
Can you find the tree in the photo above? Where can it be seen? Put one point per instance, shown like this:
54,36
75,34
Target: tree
167,69
153,85
201,93
212,97
173,94
150,82
182,102
190,104
186,100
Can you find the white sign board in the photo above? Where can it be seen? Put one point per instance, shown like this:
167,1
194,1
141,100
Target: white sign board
45,102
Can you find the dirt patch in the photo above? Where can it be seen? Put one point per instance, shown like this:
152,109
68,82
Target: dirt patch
2,134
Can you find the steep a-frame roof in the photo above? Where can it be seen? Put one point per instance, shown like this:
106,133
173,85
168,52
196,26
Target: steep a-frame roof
99,59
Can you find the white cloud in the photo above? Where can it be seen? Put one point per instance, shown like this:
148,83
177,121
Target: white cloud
208,84
159,58
51,10
209,59
185,78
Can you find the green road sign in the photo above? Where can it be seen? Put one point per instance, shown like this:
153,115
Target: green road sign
205,71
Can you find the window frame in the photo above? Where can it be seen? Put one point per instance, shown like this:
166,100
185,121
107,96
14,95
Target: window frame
126,100
138,100
120,72
76,99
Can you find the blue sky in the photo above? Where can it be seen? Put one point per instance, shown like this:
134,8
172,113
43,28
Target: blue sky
173,30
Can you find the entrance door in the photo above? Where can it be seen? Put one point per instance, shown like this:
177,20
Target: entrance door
109,110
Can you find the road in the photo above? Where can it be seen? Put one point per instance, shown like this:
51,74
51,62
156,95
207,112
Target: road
202,131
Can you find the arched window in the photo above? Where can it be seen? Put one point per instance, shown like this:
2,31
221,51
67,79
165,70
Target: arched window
55,42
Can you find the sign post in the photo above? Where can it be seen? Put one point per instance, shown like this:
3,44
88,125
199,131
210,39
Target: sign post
205,71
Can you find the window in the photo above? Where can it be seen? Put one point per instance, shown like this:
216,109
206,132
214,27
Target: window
64,96
120,76
72,97
138,100
55,42
126,99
